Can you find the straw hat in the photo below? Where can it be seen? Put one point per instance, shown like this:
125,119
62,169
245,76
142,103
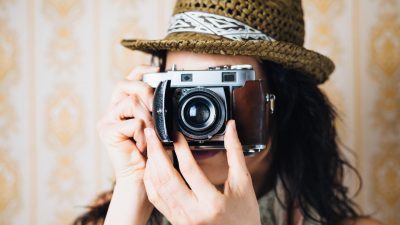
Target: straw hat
268,29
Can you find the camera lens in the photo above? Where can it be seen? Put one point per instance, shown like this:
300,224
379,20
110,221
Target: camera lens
198,113
201,113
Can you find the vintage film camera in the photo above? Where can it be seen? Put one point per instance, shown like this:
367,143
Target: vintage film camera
198,103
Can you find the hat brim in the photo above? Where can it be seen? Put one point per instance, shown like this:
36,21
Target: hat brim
289,55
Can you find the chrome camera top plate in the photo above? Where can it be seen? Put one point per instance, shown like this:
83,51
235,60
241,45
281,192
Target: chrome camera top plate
235,75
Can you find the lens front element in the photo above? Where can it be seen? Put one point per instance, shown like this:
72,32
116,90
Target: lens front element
198,113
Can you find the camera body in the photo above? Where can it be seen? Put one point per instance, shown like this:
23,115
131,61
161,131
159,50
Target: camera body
198,103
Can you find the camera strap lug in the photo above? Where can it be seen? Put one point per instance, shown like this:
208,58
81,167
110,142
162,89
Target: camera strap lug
270,98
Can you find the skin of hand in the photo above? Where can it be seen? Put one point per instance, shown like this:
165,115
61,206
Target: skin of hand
121,129
125,120
201,202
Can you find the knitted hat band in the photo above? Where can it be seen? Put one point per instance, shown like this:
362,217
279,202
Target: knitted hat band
208,23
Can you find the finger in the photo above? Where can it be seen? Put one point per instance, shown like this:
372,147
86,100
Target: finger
121,134
127,163
167,198
235,157
152,194
137,72
166,179
191,171
131,107
163,169
122,151
139,88
156,151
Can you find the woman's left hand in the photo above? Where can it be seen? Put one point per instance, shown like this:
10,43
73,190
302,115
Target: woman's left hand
202,203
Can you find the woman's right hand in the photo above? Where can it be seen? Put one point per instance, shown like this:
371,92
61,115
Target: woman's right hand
121,129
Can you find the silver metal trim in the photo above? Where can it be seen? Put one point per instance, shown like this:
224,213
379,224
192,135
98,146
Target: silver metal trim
242,67
210,120
246,148
204,78
270,98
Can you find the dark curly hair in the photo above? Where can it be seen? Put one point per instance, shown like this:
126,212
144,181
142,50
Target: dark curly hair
304,155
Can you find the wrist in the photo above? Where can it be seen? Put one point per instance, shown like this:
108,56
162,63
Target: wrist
130,181
129,203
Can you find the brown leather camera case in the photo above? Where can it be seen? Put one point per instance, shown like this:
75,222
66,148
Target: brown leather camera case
251,113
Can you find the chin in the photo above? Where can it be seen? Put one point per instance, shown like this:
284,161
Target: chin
215,168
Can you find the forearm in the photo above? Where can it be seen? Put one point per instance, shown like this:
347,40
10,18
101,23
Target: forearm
129,205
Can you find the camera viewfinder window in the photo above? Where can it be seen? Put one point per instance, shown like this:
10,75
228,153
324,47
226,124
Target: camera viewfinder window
186,77
228,76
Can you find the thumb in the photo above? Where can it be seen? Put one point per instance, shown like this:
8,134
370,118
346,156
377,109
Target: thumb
235,157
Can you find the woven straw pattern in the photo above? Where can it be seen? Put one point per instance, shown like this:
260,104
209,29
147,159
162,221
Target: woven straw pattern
279,19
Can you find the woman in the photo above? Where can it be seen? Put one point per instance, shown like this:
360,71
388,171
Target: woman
297,179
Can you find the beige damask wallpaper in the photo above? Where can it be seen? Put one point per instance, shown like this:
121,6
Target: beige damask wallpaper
59,61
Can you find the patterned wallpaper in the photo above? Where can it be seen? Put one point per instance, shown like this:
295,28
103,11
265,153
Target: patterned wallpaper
59,61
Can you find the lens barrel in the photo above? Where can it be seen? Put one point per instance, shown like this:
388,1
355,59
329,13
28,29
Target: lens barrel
201,113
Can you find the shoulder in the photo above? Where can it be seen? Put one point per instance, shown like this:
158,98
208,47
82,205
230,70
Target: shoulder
361,221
